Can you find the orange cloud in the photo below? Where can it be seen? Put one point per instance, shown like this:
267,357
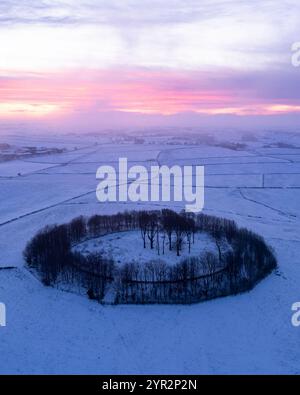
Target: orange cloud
15,109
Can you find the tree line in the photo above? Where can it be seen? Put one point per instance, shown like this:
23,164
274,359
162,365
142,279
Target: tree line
196,278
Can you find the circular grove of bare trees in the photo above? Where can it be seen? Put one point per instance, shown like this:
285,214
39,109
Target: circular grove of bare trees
195,278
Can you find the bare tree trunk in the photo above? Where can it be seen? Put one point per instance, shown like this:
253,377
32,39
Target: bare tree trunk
170,241
219,250
164,237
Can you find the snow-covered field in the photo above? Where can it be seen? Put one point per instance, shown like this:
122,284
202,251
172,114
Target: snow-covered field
51,331
126,247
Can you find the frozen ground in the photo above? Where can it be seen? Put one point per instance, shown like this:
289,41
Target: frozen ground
126,247
50,331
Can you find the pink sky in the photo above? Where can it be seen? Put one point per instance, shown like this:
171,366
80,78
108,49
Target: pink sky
79,61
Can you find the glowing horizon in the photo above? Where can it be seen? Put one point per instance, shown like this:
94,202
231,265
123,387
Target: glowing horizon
69,59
